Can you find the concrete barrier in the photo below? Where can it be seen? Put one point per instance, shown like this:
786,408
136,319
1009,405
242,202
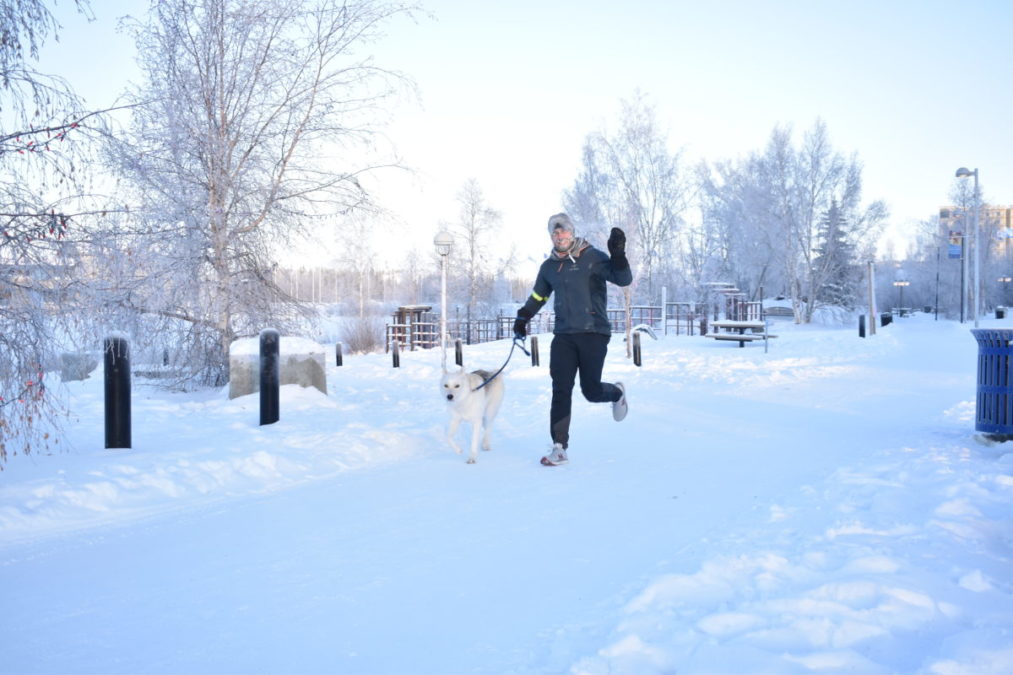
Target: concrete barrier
301,362
77,366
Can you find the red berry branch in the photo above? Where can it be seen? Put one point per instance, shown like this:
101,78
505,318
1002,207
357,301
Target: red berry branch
32,389
35,140
32,226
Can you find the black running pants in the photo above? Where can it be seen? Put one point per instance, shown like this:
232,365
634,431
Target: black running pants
570,354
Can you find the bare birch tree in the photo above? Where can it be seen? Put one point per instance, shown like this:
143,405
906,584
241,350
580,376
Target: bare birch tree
259,119
738,223
631,180
45,135
474,248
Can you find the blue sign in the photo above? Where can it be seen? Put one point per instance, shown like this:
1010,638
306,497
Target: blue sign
953,249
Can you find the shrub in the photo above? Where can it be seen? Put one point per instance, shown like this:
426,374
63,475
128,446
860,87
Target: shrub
363,334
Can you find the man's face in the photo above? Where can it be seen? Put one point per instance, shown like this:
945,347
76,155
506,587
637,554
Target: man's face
562,239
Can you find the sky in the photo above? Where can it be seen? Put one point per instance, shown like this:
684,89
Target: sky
821,504
509,91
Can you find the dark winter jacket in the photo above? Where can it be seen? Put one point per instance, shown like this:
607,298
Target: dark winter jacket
578,280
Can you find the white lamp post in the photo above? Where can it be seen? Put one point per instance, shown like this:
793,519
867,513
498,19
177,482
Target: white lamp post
964,173
444,242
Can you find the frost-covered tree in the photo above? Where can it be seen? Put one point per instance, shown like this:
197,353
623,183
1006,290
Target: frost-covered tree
815,178
630,179
587,200
44,137
259,119
995,255
738,225
357,258
780,196
477,260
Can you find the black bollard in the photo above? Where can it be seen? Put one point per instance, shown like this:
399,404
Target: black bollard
395,350
861,325
534,350
270,376
337,353
636,348
117,386
458,353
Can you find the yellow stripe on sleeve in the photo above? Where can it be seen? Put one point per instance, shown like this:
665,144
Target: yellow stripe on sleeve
537,297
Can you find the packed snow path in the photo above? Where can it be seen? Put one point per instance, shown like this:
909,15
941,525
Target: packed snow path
824,507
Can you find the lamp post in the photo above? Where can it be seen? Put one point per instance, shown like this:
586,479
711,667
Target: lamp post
443,242
900,303
962,172
936,311
900,281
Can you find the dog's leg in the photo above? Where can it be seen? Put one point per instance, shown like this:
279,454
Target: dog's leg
455,422
493,400
476,433
487,435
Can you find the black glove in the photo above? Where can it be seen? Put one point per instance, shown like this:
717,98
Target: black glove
521,324
617,248
520,328
617,243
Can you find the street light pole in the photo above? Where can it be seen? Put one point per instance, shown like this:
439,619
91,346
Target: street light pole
900,281
962,172
900,303
444,242
937,285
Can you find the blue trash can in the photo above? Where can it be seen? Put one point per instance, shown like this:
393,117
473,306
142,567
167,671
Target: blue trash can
994,410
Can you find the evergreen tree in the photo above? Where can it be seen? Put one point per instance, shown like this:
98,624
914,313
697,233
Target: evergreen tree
835,266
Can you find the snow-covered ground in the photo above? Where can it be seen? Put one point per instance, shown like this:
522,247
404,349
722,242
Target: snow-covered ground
822,507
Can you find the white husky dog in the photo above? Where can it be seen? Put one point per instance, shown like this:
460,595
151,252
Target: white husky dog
466,401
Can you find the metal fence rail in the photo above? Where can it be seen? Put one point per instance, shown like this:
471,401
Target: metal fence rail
423,332
420,328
